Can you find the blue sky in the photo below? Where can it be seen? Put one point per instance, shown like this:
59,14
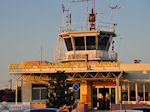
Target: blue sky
25,25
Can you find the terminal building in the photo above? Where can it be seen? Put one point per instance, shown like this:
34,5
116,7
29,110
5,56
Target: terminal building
91,61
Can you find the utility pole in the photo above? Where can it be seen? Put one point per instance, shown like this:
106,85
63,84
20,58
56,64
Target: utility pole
10,83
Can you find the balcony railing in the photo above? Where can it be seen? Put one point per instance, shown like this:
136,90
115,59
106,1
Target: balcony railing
92,55
102,26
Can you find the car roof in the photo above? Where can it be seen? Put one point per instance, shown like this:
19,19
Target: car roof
128,111
43,110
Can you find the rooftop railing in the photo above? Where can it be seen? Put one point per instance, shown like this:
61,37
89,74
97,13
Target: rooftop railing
96,55
102,26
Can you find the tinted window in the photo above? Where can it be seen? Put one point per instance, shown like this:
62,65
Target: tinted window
90,42
79,43
35,94
68,44
102,42
43,93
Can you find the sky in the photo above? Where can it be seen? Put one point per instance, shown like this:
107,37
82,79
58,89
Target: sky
26,25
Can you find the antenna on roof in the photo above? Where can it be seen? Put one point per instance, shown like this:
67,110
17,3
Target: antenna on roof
68,18
41,49
74,1
112,8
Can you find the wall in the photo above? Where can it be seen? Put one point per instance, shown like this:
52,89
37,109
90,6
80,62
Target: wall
26,92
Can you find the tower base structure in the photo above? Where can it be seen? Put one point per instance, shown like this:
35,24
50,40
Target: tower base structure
124,82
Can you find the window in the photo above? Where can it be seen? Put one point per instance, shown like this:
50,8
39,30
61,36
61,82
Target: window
35,94
39,93
102,42
124,92
90,41
147,91
132,92
43,93
140,91
79,43
68,44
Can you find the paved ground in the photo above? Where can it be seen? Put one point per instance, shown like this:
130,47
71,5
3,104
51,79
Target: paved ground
100,111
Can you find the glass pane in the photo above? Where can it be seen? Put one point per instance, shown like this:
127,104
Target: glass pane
68,44
90,42
94,91
124,91
43,93
79,43
132,92
35,94
102,42
147,91
140,91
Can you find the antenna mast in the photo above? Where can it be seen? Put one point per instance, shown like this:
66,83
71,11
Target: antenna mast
68,16
73,1
87,16
112,8
63,9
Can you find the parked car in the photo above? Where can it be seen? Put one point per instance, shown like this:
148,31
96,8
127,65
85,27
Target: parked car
128,111
144,109
43,110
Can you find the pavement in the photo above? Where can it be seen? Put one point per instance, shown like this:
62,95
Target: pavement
100,111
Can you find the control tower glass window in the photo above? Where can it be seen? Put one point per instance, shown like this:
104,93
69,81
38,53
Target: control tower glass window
68,44
79,43
90,42
103,41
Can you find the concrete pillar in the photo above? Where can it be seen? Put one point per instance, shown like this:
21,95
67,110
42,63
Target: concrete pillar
83,92
27,92
117,90
144,91
86,93
89,94
128,91
16,97
136,90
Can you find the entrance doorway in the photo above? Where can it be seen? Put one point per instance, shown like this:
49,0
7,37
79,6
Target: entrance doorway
97,89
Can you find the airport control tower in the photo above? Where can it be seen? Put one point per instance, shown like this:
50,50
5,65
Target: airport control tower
85,53
85,43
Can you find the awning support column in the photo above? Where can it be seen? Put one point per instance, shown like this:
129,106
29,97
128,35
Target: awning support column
16,98
136,90
144,91
117,87
128,91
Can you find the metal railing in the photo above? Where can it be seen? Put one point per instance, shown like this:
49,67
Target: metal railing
94,55
102,26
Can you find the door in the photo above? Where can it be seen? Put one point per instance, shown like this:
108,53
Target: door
94,94
103,90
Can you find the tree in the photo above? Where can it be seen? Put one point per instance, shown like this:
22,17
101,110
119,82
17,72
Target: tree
59,91
10,94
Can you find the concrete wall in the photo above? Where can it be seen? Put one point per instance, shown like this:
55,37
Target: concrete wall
26,92
83,92
135,67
